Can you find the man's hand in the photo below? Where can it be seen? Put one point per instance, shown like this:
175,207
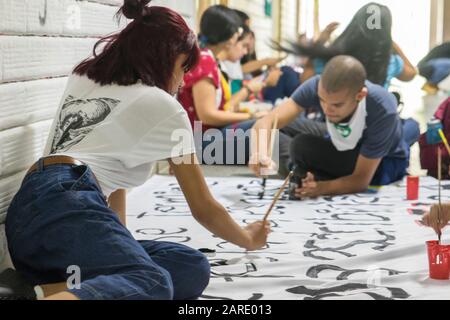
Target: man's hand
310,188
260,151
262,166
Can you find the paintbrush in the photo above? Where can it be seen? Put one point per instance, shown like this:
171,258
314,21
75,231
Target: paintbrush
439,194
277,196
444,140
272,145
263,192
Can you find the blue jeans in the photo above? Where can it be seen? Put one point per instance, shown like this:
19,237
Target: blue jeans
441,69
59,218
288,83
233,140
394,169
411,131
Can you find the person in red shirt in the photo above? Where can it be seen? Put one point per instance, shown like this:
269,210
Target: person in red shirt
206,95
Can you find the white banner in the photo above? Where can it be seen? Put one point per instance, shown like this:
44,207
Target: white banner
363,246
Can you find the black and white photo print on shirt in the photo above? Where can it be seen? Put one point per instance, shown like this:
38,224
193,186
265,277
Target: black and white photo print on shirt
78,118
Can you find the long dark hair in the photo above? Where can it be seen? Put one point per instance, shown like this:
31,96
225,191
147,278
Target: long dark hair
145,50
372,46
245,31
218,24
242,15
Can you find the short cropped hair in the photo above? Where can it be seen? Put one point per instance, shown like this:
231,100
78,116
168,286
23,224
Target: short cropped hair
343,73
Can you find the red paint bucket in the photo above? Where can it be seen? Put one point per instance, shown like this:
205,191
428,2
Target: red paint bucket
439,260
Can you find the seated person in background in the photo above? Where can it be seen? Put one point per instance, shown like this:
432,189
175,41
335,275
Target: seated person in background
206,95
250,63
373,47
382,59
253,66
361,143
240,72
285,80
435,67
249,67
229,63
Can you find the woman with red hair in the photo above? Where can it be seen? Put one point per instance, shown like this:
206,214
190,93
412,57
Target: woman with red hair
116,119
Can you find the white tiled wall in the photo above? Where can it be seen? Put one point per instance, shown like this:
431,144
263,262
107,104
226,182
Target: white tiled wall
264,27
40,42
289,19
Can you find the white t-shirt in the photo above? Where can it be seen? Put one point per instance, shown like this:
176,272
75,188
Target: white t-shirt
233,69
119,131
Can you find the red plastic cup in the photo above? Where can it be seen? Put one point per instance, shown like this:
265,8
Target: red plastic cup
438,258
412,188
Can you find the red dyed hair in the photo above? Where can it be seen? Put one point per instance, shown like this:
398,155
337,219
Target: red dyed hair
145,50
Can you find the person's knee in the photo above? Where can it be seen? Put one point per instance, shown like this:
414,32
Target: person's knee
200,274
204,272
301,146
411,131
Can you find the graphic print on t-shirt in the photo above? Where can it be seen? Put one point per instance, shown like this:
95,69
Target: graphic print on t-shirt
78,118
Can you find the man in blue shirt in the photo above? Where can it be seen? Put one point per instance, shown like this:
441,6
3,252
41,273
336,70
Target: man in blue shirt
361,143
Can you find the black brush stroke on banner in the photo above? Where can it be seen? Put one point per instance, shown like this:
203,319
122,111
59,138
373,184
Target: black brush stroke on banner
347,290
314,272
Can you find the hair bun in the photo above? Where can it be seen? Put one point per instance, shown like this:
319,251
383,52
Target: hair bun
133,9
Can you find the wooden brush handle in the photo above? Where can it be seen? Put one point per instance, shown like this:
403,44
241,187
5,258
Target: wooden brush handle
277,196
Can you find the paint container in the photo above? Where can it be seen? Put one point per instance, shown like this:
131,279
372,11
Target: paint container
412,188
432,134
438,258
